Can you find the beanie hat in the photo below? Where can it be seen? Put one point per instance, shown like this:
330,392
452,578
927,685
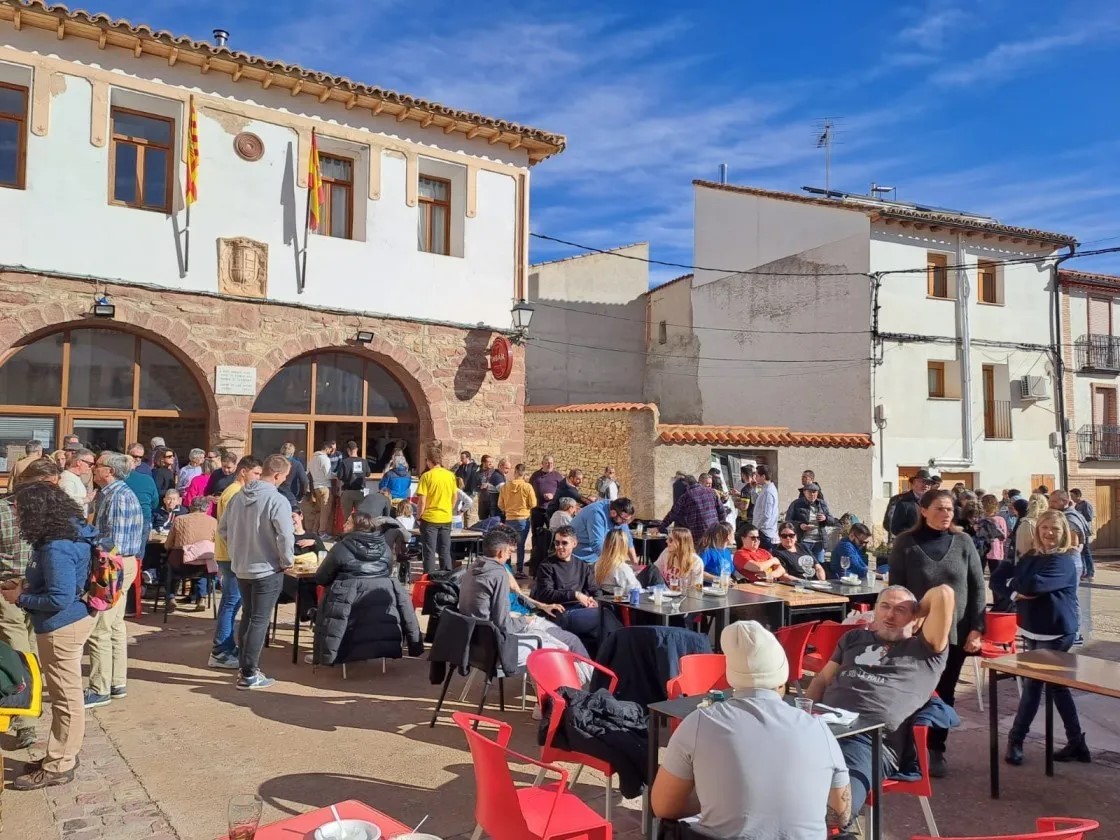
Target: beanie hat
755,658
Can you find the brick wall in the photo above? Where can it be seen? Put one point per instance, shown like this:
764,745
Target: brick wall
442,368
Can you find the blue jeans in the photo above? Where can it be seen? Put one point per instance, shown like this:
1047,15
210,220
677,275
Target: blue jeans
521,526
224,642
857,755
1032,695
1087,560
817,550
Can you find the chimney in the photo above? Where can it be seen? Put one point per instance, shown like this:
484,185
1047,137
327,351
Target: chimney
220,37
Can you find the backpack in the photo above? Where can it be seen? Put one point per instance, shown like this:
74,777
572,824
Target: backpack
105,583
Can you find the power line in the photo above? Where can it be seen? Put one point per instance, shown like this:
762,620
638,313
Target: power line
730,272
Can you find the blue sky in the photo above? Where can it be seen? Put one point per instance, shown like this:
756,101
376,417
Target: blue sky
1003,107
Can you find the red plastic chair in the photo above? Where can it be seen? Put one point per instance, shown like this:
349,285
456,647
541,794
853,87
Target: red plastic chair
823,640
419,590
699,674
923,788
505,812
794,640
550,671
1046,828
1000,630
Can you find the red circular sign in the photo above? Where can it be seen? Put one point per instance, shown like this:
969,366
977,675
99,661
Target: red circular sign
501,358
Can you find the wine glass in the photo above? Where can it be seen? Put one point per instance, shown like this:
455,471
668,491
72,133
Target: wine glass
845,564
806,563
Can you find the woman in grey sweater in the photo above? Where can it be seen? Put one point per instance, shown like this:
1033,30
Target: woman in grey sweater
928,555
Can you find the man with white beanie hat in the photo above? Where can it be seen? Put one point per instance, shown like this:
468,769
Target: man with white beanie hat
719,763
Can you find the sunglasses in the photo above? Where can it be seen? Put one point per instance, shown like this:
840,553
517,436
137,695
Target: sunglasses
754,537
784,536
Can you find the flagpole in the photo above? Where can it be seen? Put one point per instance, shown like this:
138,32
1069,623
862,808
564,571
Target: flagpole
187,243
307,220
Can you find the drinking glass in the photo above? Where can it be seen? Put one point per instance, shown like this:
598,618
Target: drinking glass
244,816
845,563
805,704
806,563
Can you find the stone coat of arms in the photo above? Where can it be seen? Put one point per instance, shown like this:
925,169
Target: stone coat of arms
242,267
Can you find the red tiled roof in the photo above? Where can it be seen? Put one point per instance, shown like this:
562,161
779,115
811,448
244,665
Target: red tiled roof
577,407
1069,277
143,38
888,211
757,436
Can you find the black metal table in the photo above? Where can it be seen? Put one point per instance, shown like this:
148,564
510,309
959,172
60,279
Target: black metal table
692,604
646,539
681,708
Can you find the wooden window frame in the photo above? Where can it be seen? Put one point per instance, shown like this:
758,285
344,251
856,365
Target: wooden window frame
989,270
939,368
426,204
141,145
935,261
21,148
325,227
662,332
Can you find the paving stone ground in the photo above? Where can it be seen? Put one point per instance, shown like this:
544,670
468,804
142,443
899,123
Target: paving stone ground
163,763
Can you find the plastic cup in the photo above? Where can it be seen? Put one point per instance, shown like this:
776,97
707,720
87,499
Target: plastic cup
244,814
805,704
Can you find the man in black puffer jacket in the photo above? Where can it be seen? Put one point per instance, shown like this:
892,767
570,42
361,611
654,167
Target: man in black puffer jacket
365,611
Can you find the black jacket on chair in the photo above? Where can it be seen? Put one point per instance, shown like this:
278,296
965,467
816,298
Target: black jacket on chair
365,612
645,659
442,592
464,643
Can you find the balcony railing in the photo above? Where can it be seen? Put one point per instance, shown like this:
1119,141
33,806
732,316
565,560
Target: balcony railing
1098,352
1099,443
997,420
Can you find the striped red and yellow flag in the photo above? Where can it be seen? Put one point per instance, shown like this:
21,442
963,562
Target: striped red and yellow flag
314,187
192,155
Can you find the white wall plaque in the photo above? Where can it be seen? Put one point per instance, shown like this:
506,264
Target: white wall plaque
241,381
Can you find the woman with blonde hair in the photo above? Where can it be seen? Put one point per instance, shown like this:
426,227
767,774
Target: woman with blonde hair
612,569
1024,534
1046,581
679,563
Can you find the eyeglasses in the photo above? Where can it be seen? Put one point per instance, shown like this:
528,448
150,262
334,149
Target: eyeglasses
754,537
89,463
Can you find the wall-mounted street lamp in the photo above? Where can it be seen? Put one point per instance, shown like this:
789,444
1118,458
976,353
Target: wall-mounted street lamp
103,307
522,313
364,336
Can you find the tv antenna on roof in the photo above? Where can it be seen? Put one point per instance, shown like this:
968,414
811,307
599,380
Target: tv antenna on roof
824,140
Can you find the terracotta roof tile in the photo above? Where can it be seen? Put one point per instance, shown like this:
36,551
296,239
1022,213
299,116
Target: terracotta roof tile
757,436
886,210
1070,277
548,143
578,407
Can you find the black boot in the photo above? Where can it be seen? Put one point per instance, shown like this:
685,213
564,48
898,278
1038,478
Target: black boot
938,765
1075,750
1014,753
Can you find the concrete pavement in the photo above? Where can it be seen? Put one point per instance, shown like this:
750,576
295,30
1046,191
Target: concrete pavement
163,762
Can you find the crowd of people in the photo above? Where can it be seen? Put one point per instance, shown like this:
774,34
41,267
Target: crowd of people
550,548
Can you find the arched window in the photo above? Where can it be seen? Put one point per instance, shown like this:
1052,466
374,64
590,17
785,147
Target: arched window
334,396
107,386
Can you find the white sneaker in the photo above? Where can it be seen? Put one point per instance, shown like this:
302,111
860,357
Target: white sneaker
537,711
309,659
223,660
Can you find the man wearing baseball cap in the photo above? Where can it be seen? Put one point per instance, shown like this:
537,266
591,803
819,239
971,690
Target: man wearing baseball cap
720,757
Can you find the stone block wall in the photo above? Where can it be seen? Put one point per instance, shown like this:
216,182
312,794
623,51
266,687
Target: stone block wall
442,368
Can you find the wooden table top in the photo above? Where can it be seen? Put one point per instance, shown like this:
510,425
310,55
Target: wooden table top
456,534
793,595
1098,676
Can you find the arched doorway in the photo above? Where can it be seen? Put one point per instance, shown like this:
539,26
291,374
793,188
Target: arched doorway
105,385
334,395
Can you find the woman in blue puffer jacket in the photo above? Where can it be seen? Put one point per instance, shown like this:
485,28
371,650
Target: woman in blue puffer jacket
397,479
51,593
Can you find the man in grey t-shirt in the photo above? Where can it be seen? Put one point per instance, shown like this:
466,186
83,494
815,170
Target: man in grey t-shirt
719,760
886,673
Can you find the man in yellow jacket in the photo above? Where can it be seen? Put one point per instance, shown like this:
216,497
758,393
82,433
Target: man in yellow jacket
516,500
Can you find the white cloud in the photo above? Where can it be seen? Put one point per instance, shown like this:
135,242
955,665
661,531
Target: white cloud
937,22
1009,58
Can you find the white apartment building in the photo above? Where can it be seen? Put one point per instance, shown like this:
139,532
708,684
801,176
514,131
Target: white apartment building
959,379
1091,346
228,325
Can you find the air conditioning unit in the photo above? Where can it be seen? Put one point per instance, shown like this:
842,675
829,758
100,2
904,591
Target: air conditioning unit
1033,388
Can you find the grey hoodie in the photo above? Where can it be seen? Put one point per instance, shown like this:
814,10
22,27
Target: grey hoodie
257,528
484,592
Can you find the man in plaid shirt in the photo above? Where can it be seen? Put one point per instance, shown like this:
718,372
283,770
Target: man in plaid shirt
119,522
697,509
15,624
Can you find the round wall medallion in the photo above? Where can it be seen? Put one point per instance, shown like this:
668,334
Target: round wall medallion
248,146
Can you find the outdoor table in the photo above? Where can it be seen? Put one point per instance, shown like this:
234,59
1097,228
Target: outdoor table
645,539
690,604
680,709
461,535
1052,667
864,591
302,826
301,576
799,600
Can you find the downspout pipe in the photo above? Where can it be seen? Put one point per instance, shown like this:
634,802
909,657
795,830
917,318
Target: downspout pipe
963,290
1060,366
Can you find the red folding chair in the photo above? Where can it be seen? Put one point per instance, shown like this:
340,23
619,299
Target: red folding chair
699,674
550,671
823,640
1000,630
1046,828
506,812
794,640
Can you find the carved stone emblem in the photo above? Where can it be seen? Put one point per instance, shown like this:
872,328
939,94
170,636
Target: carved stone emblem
242,267
248,146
